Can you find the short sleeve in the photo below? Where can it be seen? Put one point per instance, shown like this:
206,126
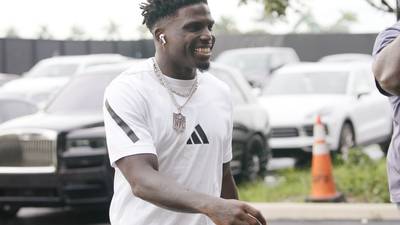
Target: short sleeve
127,132
228,140
386,37
382,40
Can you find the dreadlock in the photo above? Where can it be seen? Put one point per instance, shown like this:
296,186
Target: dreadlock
154,10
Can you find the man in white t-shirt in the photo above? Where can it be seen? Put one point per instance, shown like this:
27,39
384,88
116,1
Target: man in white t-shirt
169,128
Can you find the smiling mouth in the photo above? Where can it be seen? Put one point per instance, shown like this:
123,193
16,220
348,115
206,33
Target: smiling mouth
203,51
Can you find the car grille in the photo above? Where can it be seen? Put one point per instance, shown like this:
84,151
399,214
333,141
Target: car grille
309,130
23,149
282,132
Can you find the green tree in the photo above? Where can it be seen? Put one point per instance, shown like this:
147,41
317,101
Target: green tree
311,24
112,31
44,33
225,25
11,32
144,32
76,33
278,8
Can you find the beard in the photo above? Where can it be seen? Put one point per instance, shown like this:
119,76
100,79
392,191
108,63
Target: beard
203,66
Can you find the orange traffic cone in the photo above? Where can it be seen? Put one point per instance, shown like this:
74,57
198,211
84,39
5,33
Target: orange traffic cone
323,186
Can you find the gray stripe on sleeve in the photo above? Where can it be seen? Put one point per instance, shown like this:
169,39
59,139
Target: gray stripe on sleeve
128,131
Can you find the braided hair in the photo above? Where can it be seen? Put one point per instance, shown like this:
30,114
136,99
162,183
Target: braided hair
155,10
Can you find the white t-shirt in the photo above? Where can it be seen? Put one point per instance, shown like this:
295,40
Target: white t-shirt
138,119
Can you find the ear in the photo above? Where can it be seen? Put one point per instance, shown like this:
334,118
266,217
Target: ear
157,31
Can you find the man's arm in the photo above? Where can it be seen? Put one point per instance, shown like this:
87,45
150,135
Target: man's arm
229,190
147,183
386,67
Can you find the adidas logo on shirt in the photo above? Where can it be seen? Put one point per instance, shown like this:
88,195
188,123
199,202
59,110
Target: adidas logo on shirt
198,136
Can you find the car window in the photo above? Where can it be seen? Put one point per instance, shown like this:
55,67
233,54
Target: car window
76,97
53,70
225,76
308,83
249,64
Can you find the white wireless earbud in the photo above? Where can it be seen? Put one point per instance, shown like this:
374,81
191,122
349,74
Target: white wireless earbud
162,39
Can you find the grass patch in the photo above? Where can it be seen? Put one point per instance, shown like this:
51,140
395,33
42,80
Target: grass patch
360,178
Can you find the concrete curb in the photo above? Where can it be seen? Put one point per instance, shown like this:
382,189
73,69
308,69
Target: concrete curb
328,211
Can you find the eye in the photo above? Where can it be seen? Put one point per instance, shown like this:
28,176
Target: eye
210,27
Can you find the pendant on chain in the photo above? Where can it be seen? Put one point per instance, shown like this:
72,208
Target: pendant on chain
179,122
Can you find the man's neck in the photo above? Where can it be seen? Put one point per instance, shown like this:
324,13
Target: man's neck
174,70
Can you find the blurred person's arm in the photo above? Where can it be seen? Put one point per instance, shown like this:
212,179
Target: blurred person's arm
147,183
229,190
386,67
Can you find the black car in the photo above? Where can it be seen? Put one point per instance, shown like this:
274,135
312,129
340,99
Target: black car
58,157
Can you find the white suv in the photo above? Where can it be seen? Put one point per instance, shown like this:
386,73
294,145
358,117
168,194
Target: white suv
257,64
343,94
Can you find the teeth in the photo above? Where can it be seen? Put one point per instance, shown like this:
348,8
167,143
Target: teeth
203,50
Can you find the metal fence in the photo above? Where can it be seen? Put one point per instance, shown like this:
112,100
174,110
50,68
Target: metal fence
19,55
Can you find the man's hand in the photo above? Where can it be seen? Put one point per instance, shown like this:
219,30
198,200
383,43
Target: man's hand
233,212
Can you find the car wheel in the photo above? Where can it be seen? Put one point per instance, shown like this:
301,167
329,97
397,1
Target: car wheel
255,159
346,140
7,211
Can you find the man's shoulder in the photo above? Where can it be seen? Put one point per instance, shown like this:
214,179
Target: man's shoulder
135,78
138,69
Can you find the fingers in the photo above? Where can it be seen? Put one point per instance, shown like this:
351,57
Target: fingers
255,215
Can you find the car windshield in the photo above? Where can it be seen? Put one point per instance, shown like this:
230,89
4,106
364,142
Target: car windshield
249,64
53,70
84,94
308,83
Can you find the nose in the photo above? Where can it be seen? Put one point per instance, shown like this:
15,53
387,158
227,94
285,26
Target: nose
207,36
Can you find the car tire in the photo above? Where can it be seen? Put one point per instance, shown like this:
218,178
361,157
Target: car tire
254,159
7,211
346,140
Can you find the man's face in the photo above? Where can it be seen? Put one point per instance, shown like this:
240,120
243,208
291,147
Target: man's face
189,37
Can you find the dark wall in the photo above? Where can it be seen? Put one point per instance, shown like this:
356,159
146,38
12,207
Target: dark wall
101,47
2,56
309,47
19,55
46,48
75,48
312,47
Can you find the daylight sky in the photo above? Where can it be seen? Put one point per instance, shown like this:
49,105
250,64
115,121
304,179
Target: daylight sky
26,16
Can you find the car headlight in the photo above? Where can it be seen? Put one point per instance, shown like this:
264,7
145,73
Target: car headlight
93,143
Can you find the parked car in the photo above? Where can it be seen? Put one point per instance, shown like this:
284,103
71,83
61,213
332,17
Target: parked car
257,64
5,77
58,157
343,94
12,108
251,126
49,75
347,57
